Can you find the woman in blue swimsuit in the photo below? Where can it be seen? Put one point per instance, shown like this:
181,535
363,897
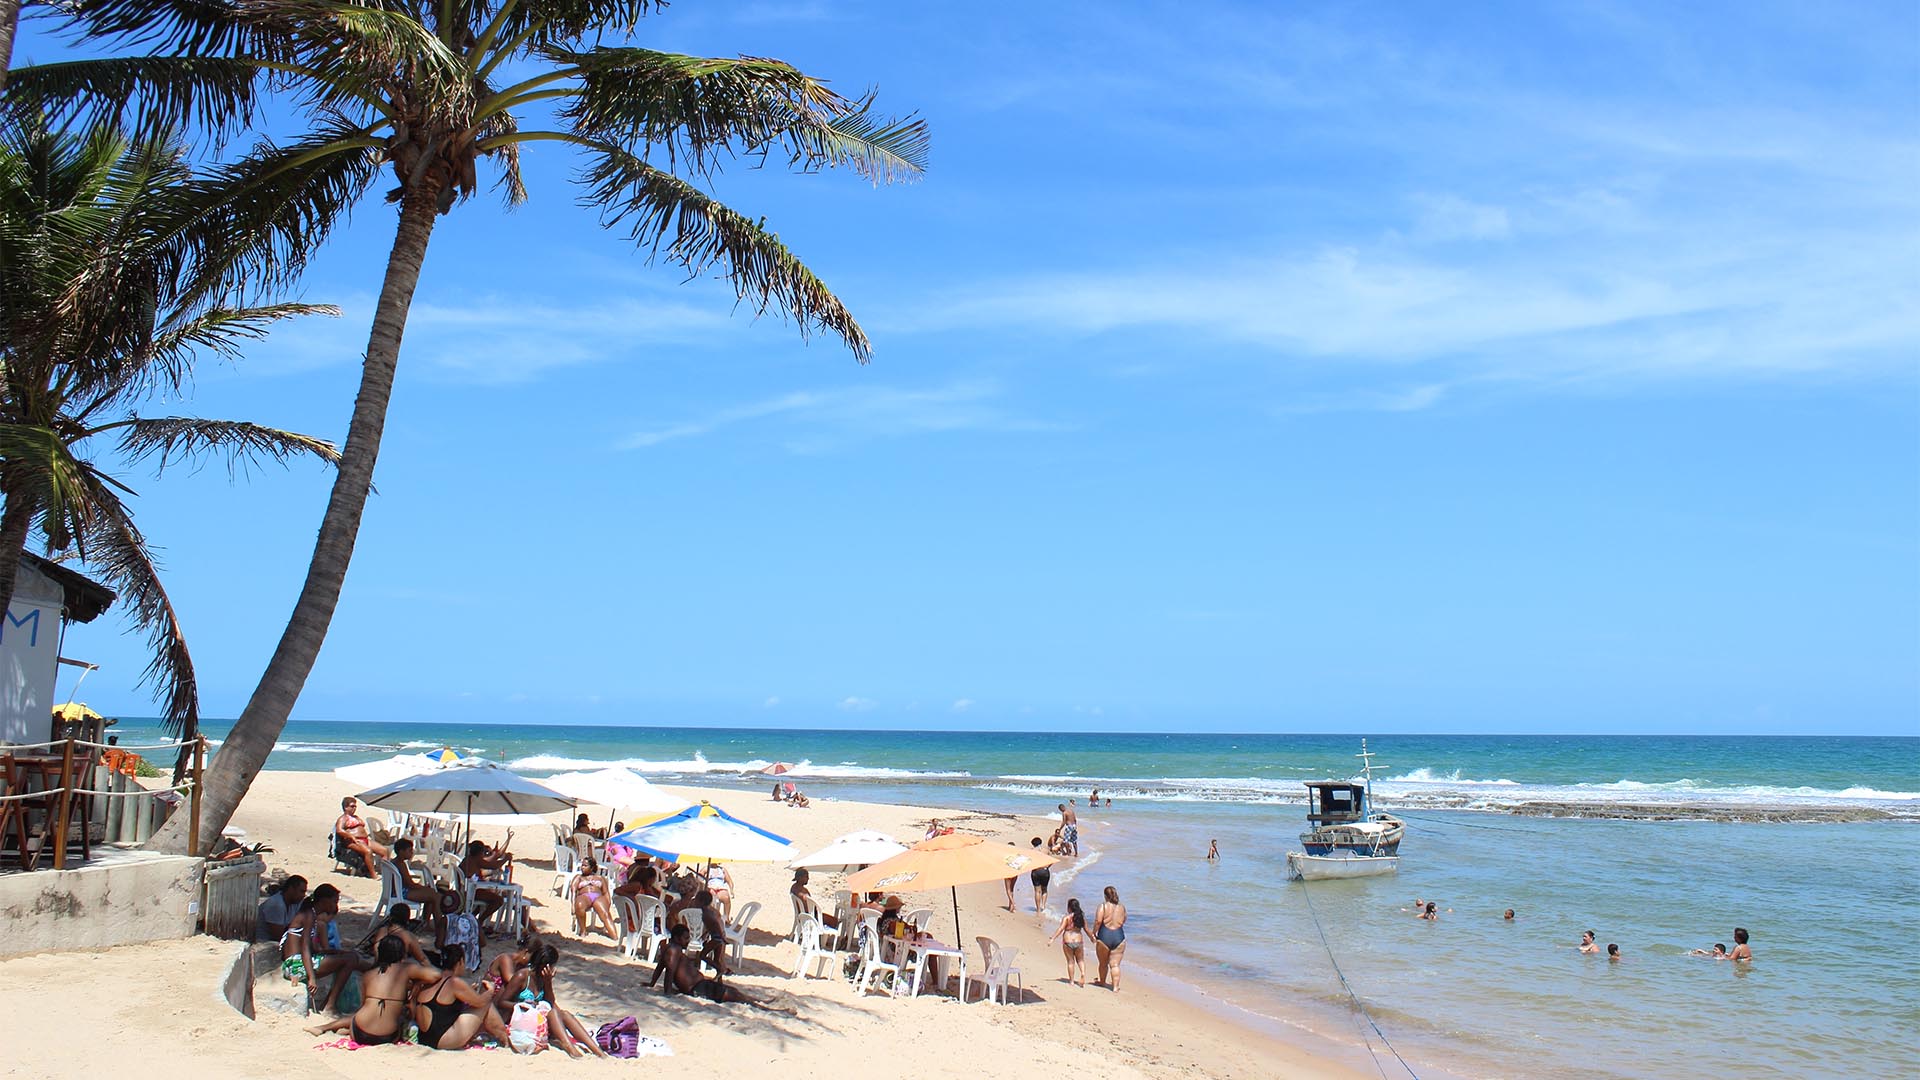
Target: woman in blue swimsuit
1110,938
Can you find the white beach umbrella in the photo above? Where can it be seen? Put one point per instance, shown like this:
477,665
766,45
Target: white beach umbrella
617,789
854,851
467,790
385,771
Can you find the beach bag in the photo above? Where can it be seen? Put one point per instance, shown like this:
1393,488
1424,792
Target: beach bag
621,1038
527,1030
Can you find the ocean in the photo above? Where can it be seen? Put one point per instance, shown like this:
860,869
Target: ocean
1660,844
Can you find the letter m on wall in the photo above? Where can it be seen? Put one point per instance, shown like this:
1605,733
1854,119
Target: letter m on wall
31,622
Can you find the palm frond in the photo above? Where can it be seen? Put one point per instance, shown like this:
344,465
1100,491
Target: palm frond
672,219
264,216
174,439
120,558
700,111
150,95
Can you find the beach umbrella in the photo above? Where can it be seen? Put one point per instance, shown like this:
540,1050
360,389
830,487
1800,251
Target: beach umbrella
777,768
446,755
617,789
706,832
72,712
947,862
854,851
385,771
467,790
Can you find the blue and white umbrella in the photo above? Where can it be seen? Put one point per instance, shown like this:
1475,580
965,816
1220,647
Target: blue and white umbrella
705,832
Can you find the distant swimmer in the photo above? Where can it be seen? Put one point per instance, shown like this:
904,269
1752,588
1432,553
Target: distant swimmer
1509,915
1613,951
1213,851
1719,951
1094,799
1430,914
1586,943
1740,951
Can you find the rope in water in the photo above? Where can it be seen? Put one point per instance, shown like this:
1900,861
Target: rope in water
1462,824
1307,891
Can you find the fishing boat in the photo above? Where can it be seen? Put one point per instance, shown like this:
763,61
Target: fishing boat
1345,836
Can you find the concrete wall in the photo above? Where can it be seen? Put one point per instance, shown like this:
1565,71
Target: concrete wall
122,897
237,988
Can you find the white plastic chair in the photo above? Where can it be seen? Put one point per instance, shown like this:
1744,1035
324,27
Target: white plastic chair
871,966
696,925
737,930
640,920
918,918
801,909
391,888
999,968
565,859
812,947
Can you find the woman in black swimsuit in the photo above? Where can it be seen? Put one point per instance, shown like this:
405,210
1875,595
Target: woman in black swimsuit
383,996
452,1011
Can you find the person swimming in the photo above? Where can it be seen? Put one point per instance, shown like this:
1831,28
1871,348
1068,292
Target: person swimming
1431,914
1719,951
1613,951
1509,915
1740,950
1587,943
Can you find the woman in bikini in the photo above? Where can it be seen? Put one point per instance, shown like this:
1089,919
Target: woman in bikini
1073,942
592,895
1110,938
643,879
720,884
304,954
382,1015
452,1011
534,983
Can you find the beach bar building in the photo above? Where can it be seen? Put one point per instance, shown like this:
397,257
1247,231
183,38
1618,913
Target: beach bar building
46,598
114,895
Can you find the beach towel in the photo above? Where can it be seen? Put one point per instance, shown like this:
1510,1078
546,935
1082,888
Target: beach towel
463,933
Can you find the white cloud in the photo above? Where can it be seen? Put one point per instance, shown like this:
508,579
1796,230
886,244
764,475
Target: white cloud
858,704
1450,217
963,705
824,416
770,703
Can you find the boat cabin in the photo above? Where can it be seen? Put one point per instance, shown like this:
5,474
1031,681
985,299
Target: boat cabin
1332,802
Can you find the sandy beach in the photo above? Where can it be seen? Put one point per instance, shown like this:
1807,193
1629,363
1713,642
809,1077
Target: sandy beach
156,1004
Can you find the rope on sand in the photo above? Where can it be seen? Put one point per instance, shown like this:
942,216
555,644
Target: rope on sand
1307,891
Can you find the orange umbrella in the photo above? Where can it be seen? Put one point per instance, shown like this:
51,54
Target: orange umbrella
947,862
776,769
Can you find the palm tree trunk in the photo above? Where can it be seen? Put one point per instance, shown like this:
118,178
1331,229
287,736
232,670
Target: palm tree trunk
9,24
15,521
246,748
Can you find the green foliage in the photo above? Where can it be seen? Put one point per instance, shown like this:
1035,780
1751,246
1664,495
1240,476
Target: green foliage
145,770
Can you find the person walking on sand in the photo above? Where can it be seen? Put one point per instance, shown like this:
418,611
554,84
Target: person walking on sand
1041,878
1110,938
1072,933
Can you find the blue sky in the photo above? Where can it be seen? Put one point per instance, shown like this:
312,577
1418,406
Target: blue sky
1320,368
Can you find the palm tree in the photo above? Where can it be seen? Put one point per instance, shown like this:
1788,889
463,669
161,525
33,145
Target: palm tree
117,268
431,90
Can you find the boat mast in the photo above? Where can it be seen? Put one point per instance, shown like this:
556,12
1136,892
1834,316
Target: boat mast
1366,768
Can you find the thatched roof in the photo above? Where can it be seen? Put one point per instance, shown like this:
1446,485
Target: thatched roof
85,599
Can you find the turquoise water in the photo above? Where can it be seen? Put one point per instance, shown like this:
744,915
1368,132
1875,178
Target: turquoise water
1829,903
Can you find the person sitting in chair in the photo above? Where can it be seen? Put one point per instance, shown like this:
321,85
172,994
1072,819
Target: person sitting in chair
482,864
350,834
422,893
